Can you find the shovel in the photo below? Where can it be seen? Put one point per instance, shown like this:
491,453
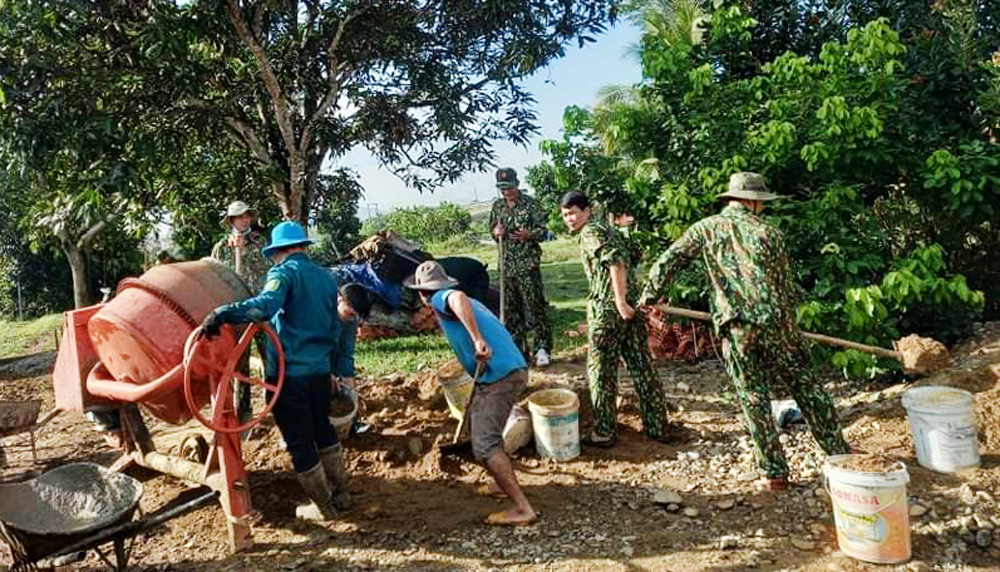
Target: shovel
928,355
455,447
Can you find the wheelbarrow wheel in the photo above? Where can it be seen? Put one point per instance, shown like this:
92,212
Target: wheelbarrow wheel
222,383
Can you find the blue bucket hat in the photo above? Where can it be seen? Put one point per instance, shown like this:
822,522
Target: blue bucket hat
286,234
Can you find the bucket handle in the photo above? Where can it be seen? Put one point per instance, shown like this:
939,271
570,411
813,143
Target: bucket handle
826,487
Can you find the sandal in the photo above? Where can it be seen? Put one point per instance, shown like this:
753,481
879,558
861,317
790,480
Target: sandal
501,519
605,443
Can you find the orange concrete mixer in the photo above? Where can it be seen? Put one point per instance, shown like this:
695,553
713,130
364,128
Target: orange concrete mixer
144,348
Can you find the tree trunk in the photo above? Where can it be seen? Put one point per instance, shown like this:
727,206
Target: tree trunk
77,258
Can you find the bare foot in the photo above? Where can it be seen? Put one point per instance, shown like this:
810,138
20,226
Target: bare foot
513,516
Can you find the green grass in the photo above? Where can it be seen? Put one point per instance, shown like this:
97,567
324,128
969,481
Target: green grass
565,289
20,338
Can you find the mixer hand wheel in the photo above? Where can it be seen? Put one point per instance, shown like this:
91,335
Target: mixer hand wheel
223,381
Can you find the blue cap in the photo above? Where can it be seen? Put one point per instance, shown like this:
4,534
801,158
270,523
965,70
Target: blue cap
286,234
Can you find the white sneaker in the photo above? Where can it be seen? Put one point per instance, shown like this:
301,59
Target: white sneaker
542,358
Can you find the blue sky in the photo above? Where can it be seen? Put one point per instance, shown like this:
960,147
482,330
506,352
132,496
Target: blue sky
571,80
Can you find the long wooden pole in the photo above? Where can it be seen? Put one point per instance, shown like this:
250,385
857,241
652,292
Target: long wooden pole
823,339
502,281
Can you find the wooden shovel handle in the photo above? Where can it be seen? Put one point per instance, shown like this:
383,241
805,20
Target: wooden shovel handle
828,340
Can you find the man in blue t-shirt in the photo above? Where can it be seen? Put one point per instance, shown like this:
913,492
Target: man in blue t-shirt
488,352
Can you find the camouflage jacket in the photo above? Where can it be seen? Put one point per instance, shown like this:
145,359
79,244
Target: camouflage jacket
253,264
746,263
601,248
526,214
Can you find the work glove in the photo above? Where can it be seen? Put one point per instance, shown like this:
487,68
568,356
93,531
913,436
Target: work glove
212,324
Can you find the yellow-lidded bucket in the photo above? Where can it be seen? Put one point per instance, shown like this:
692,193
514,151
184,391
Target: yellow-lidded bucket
870,507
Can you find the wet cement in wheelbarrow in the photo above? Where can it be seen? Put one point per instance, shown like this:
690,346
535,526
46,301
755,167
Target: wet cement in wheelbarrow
72,498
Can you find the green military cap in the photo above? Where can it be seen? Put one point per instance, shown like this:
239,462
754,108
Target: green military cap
506,178
746,185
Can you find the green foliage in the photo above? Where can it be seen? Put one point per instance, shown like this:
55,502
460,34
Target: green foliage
336,216
875,121
424,224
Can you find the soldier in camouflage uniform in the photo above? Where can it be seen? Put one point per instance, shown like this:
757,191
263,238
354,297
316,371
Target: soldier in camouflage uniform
753,309
245,240
615,330
518,224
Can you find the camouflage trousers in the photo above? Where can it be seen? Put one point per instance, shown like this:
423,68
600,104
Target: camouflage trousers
526,311
757,357
612,340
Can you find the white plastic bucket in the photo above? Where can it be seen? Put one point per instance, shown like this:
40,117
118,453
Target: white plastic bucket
555,421
942,420
870,510
342,423
456,386
517,431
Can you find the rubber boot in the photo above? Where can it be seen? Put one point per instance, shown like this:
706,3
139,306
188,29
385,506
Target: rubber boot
333,464
317,488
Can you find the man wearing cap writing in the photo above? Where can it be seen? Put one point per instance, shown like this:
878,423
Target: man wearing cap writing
518,225
241,249
488,353
754,312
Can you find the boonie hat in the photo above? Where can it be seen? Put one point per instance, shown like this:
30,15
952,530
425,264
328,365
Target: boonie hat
506,178
430,276
236,208
747,185
288,233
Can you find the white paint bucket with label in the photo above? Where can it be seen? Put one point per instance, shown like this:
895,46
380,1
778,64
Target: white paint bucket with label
942,420
869,509
555,421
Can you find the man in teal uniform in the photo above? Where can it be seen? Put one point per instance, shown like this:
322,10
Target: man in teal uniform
300,299
517,223
487,352
754,312
615,331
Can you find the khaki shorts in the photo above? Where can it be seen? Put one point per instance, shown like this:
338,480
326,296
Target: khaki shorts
489,411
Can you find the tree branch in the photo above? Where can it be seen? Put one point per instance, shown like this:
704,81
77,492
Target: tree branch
242,128
88,237
267,74
333,81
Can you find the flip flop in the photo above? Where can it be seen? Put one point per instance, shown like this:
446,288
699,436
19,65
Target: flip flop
487,491
499,519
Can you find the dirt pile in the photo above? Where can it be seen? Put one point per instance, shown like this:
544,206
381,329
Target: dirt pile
919,354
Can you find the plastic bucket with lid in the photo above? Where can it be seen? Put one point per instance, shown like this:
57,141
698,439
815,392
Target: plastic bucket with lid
555,421
870,507
942,420
456,386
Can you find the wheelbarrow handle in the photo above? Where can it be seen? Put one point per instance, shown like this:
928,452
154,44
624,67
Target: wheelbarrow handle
820,338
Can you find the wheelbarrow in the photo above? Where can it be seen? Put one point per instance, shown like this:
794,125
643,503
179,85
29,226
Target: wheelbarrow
75,508
45,516
19,417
